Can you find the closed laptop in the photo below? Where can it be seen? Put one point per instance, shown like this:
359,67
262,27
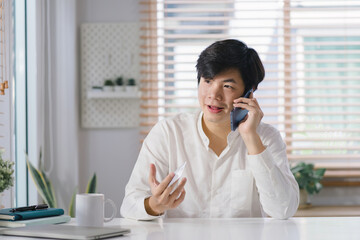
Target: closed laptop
66,232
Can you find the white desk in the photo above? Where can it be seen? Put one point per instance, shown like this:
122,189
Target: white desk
250,229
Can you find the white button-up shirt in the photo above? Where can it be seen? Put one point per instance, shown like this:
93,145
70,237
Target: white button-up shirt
233,184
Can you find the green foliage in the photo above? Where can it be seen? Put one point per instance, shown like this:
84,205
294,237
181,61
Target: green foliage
72,203
46,191
307,177
131,82
42,183
109,82
6,174
119,81
91,188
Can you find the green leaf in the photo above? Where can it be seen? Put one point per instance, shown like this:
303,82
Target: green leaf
91,187
307,177
42,184
72,204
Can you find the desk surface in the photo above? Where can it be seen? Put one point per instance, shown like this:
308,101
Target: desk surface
239,228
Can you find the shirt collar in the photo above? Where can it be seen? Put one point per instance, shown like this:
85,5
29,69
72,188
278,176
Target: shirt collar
203,136
230,138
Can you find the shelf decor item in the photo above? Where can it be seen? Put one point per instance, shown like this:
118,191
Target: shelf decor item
6,176
4,84
308,179
108,85
96,88
131,85
119,87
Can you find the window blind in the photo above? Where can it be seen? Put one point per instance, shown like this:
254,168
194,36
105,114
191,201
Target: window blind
310,50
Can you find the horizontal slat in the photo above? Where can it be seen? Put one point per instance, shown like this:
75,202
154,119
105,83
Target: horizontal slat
327,148
327,122
295,114
255,17
321,87
261,96
315,61
257,44
310,52
339,166
341,174
287,78
156,2
323,122
205,26
280,69
347,87
216,37
266,105
277,3
323,157
334,139
196,9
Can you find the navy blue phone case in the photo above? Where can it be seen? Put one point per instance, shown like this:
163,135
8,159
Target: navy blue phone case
238,114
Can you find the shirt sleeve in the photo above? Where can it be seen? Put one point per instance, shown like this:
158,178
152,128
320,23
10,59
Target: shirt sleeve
277,187
137,190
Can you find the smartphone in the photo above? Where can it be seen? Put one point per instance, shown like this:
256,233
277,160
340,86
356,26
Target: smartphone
178,172
238,114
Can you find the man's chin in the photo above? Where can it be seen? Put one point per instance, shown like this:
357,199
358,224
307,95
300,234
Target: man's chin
212,118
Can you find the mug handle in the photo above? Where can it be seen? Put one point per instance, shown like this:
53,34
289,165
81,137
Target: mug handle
114,210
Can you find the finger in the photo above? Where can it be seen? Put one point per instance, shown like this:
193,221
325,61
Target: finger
256,102
163,185
244,106
152,176
178,190
243,100
169,189
179,200
251,96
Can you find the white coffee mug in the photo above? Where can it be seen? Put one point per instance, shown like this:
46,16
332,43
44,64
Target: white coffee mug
90,209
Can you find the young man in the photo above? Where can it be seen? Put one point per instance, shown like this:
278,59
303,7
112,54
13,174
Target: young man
242,173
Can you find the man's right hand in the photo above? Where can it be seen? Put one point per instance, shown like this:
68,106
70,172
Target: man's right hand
163,197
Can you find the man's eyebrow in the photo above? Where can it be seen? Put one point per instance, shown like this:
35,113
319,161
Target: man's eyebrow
229,80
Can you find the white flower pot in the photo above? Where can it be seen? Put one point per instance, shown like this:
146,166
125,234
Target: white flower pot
108,88
119,88
131,88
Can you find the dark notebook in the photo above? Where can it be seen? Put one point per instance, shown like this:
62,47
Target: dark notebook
6,214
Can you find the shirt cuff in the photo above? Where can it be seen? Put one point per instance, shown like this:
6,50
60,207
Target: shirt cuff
262,162
144,214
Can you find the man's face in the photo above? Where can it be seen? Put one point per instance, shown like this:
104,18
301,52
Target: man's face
216,95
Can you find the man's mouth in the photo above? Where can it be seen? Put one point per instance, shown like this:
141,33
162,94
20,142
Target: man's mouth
214,109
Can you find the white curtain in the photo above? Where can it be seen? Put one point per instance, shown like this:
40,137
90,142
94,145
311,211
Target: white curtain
57,95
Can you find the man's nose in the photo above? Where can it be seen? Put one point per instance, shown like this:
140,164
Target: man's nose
216,92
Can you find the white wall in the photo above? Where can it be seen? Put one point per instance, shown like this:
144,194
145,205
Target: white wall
111,153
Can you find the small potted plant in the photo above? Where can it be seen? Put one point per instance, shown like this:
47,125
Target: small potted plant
131,85
96,88
108,85
119,84
308,179
6,176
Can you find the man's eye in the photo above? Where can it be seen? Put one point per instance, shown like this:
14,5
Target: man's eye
228,86
207,81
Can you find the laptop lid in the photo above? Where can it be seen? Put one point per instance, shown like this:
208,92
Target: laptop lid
65,232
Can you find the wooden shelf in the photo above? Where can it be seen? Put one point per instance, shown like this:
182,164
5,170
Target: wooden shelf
104,95
329,211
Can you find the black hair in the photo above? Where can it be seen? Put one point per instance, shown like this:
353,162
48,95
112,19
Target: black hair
228,54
